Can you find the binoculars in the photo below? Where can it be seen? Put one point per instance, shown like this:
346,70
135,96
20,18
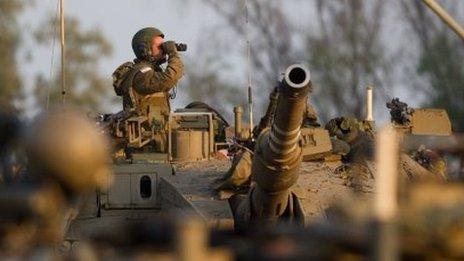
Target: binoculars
181,47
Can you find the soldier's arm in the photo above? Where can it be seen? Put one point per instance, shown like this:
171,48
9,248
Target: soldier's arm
148,81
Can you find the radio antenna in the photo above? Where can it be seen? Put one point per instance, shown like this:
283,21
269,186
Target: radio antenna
248,51
54,27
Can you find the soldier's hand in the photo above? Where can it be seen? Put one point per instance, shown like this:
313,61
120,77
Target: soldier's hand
169,47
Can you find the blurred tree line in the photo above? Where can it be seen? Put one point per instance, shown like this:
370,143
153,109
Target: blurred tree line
346,45
343,49
86,87
11,89
348,48
441,57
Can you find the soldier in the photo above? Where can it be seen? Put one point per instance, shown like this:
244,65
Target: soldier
143,84
356,134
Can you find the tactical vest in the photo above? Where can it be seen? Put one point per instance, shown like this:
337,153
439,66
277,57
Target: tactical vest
156,106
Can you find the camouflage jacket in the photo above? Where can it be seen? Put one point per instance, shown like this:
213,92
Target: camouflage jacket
143,83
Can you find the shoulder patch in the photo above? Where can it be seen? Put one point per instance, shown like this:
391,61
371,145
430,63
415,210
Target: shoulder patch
145,69
119,75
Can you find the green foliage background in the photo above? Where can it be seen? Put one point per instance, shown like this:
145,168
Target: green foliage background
11,90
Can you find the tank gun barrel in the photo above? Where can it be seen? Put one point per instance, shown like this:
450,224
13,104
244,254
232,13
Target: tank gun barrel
278,155
285,129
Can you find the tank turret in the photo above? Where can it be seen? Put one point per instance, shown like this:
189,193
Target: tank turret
277,157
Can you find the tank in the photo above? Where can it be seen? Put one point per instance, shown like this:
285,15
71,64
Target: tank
283,185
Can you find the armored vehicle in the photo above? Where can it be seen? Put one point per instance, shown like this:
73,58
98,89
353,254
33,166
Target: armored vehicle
289,169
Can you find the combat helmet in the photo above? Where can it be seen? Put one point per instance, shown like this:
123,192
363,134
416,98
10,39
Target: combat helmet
141,41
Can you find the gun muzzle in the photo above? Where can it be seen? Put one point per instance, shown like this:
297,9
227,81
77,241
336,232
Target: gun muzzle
277,156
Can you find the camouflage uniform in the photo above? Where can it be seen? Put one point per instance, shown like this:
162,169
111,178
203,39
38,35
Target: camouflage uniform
143,84
357,134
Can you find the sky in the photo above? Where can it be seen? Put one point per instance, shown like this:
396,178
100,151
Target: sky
180,20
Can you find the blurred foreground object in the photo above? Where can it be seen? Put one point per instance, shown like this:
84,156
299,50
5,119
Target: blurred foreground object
10,158
67,158
68,148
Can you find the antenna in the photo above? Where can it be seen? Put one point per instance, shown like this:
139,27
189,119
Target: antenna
369,114
54,25
63,57
250,92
